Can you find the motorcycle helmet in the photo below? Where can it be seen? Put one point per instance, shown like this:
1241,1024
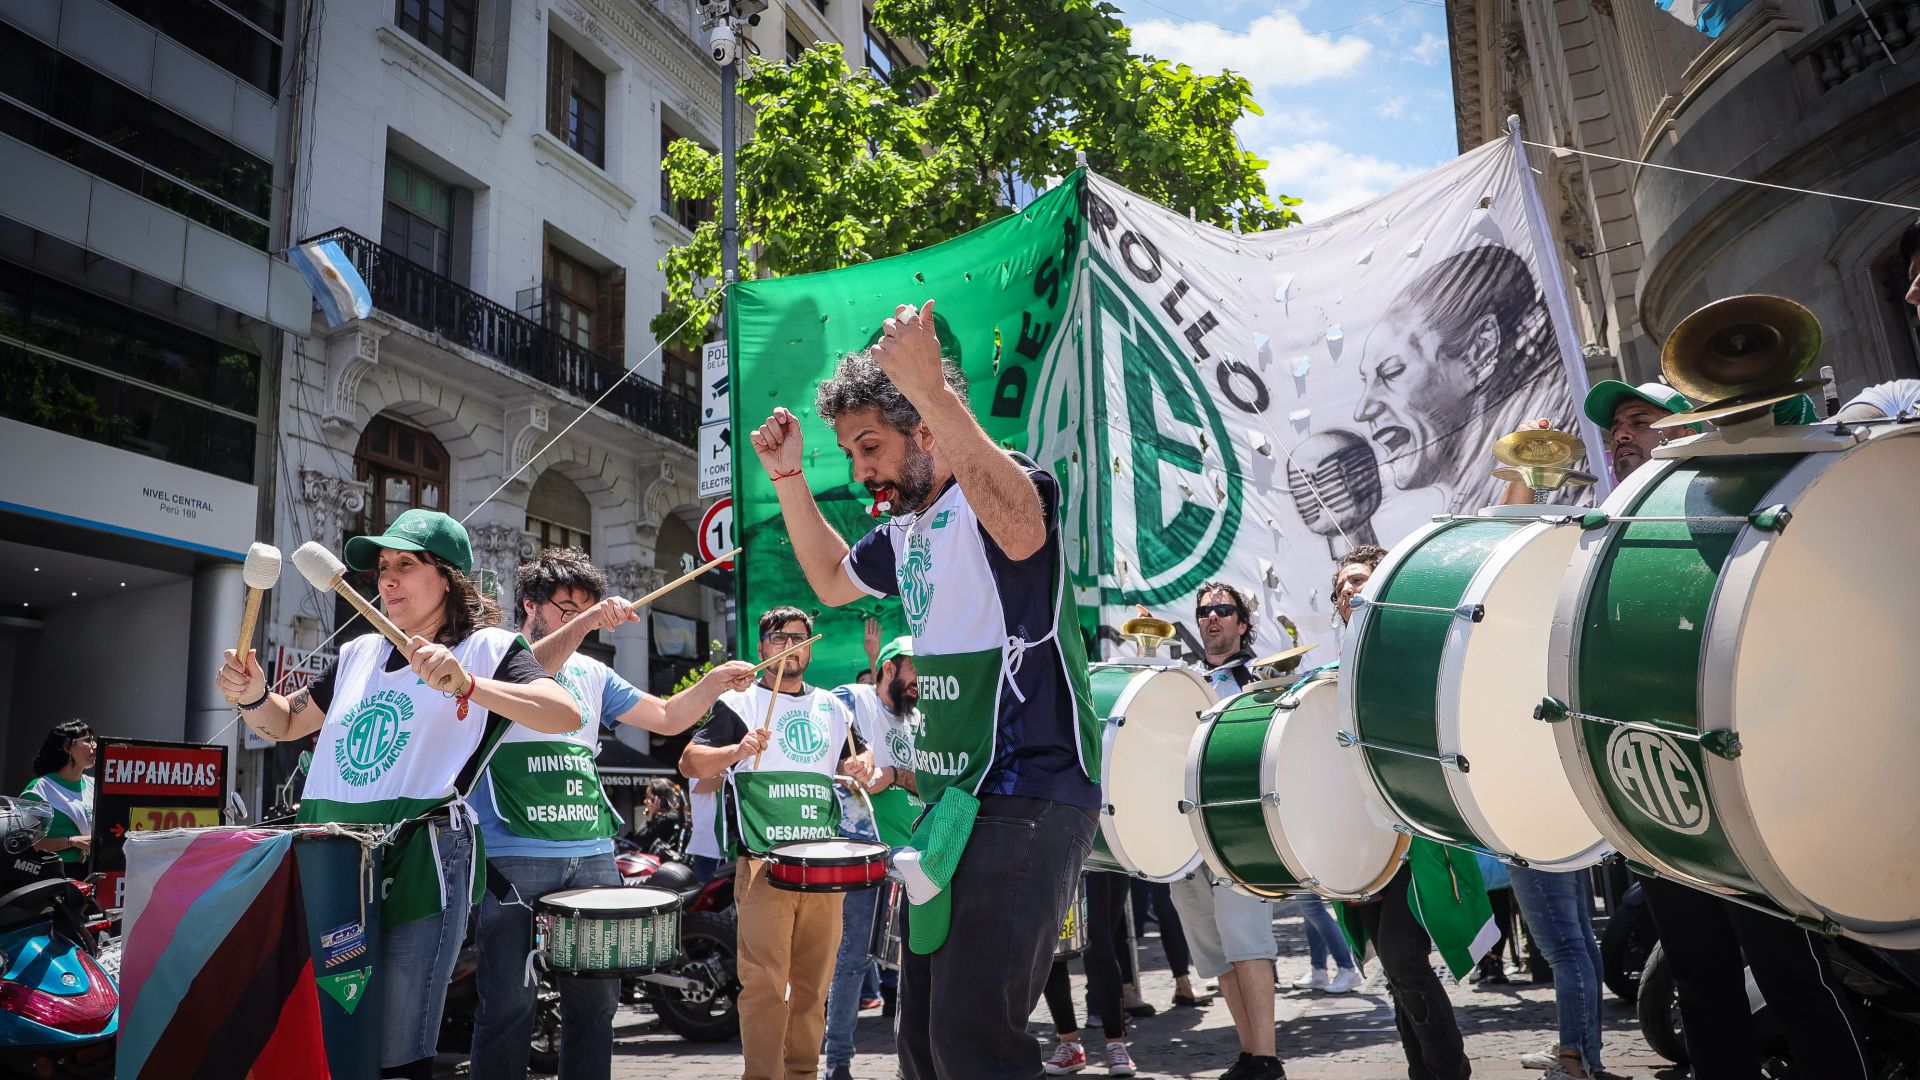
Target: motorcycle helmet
23,823
674,877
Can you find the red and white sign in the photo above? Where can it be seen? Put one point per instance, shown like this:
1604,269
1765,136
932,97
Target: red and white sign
162,770
716,532
285,673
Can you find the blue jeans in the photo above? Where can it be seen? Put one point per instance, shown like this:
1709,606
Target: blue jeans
418,957
504,1015
1559,913
705,866
1324,938
850,969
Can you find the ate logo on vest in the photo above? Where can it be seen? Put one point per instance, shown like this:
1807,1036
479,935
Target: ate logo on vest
1652,772
570,678
916,586
375,736
801,737
898,744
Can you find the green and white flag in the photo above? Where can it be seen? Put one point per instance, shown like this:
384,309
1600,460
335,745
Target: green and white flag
1214,404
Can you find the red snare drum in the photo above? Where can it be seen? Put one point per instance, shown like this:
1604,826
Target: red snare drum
827,865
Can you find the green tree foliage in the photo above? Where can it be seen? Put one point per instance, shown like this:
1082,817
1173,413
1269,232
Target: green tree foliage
843,166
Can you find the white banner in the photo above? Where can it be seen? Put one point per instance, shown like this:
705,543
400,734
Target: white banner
1252,405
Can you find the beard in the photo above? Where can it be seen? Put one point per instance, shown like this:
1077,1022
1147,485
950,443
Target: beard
536,627
905,695
914,484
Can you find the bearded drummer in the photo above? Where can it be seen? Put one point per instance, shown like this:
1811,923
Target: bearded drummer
780,788
975,554
1706,936
549,829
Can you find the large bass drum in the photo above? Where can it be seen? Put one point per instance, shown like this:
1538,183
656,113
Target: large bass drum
1444,664
1152,706
1733,681
1277,806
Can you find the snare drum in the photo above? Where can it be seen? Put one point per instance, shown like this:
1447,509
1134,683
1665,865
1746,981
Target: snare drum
1444,663
1152,705
827,866
1734,694
1278,806
608,932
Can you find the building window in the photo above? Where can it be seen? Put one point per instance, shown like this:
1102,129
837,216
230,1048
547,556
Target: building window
688,212
573,297
681,372
417,218
558,515
404,467
86,119
576,101
444,26
883,56
242,36
794,48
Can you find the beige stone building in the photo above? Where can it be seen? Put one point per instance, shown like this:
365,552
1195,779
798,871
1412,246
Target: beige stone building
1799,93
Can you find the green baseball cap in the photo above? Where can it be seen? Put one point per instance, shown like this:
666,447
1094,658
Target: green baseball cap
900,646
1607,395
415,530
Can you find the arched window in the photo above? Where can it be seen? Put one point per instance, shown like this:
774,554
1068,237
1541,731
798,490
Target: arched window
558,515
403,466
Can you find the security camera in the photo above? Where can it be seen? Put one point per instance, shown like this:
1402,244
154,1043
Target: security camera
722,45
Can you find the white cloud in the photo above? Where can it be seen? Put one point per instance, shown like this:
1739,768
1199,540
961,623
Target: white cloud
1274,50
1393,108
1329,179
1430,48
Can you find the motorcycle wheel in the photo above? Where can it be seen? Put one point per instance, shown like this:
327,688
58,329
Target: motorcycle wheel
1630,935
1658,1009
707,941
545,1055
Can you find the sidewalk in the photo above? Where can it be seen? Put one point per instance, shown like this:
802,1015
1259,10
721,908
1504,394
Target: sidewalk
1322,1037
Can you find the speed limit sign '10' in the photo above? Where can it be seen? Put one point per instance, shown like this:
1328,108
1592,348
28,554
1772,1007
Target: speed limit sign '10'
716,532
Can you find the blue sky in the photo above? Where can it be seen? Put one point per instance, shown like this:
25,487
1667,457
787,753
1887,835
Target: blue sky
1357,93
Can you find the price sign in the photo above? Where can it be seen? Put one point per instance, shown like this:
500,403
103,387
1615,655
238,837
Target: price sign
155,818
716,532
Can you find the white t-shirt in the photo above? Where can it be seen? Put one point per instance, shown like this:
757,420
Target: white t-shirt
1891,398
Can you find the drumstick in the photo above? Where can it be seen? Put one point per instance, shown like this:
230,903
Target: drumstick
777,657
683,579
773,698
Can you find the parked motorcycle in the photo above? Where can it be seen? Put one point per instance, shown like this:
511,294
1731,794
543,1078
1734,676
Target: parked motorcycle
697,997
1625,942
463,1000
59,1010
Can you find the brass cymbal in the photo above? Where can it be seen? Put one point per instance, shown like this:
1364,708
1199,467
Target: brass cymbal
1546,478
1740,345
1148,626
1735,409
1538,447
1284,659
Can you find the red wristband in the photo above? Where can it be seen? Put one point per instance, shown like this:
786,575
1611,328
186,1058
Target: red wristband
777,477
461,701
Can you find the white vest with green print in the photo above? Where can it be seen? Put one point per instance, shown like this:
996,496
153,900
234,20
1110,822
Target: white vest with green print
392,747
546,786
789,795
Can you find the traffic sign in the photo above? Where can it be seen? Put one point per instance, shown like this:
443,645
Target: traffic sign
716,405
716,532
715,467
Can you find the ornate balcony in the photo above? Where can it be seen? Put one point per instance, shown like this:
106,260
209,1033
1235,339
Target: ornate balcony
406,290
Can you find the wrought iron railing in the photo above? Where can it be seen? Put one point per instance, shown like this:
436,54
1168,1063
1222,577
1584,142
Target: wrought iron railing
406,290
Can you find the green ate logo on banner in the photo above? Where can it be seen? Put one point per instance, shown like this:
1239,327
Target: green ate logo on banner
1171,424
801,737
374,737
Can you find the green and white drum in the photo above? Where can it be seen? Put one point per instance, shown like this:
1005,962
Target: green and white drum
1152,706
1443,665
1277,806
1734,678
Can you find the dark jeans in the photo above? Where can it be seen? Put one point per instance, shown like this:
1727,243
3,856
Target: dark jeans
1704,938
1157,897
1106,943
504,1013
964,1008
1421,1009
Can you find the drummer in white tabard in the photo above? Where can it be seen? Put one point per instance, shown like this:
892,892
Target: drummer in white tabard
779,744
1229,933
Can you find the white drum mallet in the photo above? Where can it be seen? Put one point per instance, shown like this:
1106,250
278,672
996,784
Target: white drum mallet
324,571
261,572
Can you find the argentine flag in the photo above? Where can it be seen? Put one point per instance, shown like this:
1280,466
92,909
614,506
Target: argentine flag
1707,16
334,282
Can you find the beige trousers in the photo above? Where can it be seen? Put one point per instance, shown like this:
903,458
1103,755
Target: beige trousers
788,942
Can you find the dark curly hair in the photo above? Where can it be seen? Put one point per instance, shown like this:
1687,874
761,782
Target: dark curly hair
1367,555
556,569
1240,603
53,755
858,382
1909,244
775,618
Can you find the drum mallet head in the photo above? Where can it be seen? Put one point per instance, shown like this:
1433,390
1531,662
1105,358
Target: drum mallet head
262,568
319,566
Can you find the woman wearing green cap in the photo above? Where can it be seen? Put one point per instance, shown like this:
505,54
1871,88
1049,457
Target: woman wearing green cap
401,739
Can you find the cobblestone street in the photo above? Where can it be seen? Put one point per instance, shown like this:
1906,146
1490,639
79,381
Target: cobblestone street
1322,1037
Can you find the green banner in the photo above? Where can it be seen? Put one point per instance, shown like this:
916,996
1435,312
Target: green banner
1005,314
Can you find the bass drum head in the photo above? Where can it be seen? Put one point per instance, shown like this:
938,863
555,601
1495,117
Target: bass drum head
1141,781
1329,817
1824,684
1516,784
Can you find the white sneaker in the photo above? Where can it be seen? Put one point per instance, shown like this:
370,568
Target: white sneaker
1544,1059
1317,981
1344,981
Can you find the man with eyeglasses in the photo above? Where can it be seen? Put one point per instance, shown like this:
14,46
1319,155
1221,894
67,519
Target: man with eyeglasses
779,743
1008,756
547,829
